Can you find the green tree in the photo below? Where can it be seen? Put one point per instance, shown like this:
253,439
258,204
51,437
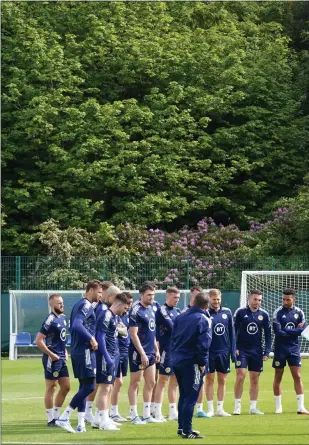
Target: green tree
153,113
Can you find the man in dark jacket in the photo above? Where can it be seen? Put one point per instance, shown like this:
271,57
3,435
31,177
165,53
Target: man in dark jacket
191,339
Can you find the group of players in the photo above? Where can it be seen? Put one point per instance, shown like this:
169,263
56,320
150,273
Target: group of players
108,330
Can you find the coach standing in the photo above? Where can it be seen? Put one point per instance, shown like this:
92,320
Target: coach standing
191,339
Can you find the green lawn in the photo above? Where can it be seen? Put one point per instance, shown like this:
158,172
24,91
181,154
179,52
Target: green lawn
24,419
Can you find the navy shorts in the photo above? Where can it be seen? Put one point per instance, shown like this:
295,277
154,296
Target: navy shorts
280,361
84,365
219,362
122,367
249,359
165,365
54,370
106,373
135,361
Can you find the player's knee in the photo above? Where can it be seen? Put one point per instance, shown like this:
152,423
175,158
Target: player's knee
150,384
240,377
210,378
51,388
65,389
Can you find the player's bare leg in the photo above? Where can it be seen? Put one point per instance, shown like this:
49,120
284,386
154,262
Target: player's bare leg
221,379
299,389
89,418
135,380
254,392
277,389
159,393
209,389
172,398
150,381
103,398
238,389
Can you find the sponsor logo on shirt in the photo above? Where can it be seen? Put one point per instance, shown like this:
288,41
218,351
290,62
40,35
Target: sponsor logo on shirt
63,334
290,325
219,329
252,328
152,324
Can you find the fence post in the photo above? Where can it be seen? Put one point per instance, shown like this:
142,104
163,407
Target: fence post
188,274
17,272
103,268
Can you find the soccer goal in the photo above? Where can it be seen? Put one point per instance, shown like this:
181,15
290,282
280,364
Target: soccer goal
28,308
271,284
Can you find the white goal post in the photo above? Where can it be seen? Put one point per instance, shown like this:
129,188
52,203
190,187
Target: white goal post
271,284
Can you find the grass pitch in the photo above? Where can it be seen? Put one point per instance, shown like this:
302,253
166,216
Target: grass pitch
24,418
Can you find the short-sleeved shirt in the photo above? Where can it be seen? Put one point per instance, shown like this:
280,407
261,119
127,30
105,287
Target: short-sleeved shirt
144,319
54,328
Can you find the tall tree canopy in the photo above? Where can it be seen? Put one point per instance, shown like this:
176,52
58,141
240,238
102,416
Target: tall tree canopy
153,113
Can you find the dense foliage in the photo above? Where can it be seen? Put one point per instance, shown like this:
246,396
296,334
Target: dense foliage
121,115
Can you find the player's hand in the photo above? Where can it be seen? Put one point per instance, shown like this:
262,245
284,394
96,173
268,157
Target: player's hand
237,353
93,344
144,360
300,325
122,330
202,369
233,358
265,357
157,355
54,357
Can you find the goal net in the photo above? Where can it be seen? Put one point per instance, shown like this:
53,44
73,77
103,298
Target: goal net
28,310
271,284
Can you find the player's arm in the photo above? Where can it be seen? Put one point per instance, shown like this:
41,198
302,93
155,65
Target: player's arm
232,338
267,334
237,322
164,318
137,344
278,331
79,327
39,341
102,328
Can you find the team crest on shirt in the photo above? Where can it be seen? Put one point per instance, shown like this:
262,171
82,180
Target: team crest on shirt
141,366
167,370
154,308
109,378
260,317
238,363
224,316
277,363
55,373
296,315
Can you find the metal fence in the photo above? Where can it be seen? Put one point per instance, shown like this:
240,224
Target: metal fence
39,272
